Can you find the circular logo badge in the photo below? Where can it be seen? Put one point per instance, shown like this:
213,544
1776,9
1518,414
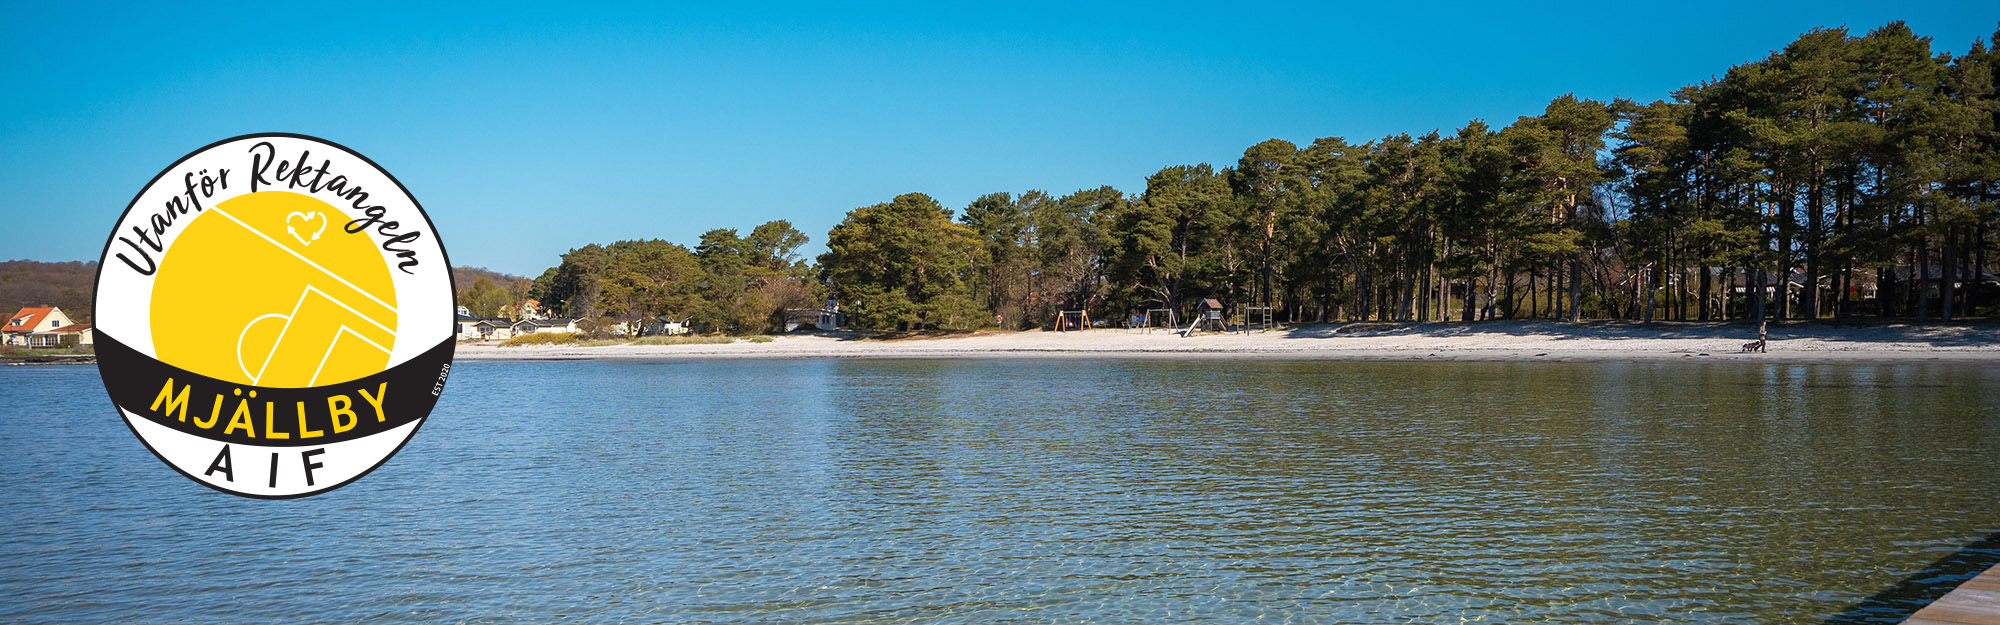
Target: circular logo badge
274,316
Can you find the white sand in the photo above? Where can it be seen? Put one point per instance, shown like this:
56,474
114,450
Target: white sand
1498,340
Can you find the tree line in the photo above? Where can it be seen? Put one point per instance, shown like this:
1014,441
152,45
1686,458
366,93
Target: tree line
730,283
1838,163
1845,175
66,285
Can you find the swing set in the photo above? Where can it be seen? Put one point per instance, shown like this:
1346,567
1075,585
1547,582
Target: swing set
1072,320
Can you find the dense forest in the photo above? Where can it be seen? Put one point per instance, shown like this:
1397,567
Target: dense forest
1842,176
69,286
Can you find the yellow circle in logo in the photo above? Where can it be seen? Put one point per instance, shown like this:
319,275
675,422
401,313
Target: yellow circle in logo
257,291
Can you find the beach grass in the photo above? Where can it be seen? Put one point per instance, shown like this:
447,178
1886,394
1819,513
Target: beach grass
682,340
11,352
644,340
541,339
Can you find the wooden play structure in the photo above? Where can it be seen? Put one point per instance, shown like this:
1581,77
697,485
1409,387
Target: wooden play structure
1161,318
1208,315
1255,318
1069,320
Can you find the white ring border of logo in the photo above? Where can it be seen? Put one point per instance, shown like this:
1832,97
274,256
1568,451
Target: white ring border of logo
429,291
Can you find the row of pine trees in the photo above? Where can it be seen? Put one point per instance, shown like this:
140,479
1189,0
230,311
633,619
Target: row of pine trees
1844,175
1848,175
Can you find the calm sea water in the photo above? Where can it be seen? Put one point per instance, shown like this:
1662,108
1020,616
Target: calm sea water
1090,491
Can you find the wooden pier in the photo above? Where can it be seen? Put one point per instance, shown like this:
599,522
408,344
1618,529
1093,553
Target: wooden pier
1975,602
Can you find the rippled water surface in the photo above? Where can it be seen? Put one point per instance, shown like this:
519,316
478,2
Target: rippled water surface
1091,491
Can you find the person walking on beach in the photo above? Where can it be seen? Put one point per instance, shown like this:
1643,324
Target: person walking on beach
1763,338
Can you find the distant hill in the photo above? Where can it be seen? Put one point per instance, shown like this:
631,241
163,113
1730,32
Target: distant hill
507,289
67,286
463,277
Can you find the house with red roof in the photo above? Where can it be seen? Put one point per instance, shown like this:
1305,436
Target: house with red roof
43,326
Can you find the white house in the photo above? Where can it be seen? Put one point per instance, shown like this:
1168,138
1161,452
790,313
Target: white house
666,326
492,330
42,326
826,318
544,326
462,326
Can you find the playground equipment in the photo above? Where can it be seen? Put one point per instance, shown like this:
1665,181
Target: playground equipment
1209,315
1065,319
1161,318
1258,316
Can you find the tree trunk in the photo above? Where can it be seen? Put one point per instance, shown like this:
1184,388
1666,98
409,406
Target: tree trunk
1923,282
1815,194
1471,287
1758,281
1645,297
1422,285
1784,294
1534,301
1885,290
1576,288
1707,295
1404,308
1949,286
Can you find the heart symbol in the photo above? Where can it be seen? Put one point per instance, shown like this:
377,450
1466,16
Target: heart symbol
304,220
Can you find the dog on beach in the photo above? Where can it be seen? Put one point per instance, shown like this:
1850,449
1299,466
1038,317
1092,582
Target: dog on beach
1763,339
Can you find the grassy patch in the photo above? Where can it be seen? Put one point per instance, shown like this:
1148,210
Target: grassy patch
682,340
574,340
542,338
23,352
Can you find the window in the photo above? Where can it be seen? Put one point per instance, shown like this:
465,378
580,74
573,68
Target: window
55,323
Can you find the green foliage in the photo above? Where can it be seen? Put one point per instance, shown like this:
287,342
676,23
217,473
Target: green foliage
651,278
904,264
728,284
1847,160
1041,254
495,290
542,338
1168,244
680,340
485,298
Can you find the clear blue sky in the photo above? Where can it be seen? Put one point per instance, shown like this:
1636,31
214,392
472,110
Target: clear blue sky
527,130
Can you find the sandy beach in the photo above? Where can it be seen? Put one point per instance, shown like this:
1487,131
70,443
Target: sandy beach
1498,340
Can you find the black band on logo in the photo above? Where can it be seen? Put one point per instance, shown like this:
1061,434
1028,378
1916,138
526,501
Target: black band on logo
277,417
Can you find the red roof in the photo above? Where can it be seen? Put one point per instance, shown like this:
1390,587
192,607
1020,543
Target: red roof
74,327
27,319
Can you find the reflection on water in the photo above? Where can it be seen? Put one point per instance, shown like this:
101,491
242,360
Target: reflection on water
979,491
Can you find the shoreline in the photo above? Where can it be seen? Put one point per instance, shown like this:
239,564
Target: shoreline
1488,341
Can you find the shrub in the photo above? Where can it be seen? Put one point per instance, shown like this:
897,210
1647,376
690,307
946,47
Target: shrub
682,340
541,338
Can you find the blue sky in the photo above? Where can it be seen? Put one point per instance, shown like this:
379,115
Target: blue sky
526,130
